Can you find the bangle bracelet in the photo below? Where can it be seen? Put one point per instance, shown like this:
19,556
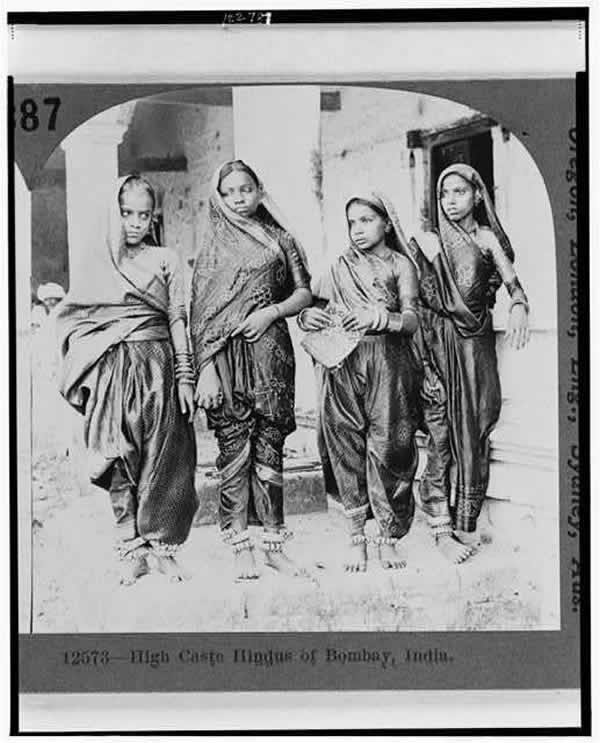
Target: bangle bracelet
300,318
376,319
519,300
385,319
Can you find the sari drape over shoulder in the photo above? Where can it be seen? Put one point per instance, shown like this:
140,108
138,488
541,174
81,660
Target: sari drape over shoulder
245,264
118,371
369,407
460,274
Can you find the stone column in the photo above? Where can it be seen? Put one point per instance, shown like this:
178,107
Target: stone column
92,169
22,249
276,130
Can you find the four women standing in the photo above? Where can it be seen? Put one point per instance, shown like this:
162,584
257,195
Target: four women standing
423,356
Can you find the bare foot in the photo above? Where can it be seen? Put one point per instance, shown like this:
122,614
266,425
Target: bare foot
453,550
168,565
355,557
284,564
133,568
245,565
391,557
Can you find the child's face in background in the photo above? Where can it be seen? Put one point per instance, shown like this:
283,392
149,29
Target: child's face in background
136,215
240,193
457,198
365,226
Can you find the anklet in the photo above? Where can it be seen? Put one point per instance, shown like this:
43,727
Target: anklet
380,540
272,541
163,549
239,541
242,546
442,531
125,553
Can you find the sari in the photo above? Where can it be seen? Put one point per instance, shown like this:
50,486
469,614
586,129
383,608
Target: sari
245,264
369,406
460,274
117,369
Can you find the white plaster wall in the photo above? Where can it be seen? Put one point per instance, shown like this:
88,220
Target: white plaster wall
207,132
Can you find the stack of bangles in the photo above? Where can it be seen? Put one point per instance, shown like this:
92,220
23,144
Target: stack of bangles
381,319
184,369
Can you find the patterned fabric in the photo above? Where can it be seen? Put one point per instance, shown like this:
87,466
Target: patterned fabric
243,265
250,465
368,417
133,425
369,408
461,392
117,369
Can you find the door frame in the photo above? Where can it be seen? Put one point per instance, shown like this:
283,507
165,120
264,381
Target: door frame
427,139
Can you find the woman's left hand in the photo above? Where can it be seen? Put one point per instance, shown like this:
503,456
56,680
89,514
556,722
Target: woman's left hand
256,324
185,393
359,320
517,332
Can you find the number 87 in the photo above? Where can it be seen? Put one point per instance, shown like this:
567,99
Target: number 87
29,114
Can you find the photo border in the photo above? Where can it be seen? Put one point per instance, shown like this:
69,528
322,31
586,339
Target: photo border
352,16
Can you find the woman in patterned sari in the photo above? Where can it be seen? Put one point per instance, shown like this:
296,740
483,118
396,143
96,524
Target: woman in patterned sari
461,269
126,366
250,274
369,407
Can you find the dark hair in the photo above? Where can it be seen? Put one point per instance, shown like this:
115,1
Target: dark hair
365,202
137,182
237,166
391,239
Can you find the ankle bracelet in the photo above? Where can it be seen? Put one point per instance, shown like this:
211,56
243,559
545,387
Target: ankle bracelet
380,540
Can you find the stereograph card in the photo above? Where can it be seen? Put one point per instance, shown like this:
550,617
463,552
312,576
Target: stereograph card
299,365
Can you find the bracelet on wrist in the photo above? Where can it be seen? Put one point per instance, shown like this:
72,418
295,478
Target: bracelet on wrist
376,318
519,300
385,319
300,318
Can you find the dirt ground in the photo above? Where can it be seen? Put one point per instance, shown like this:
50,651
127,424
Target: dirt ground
75,585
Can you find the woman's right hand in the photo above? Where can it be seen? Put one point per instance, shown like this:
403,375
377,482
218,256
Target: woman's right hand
209,392
314,318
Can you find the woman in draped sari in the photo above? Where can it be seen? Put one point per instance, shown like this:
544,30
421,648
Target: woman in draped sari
126,366
369,403
461,269
250,274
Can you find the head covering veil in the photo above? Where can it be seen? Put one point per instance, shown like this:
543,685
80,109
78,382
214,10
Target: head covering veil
107,303
450,231
233,260
347,282
438,282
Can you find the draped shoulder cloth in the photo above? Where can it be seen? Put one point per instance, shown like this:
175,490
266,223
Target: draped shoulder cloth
433,252
235,257
115,300
348,281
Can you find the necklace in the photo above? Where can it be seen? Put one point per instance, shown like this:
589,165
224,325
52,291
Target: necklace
135,250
